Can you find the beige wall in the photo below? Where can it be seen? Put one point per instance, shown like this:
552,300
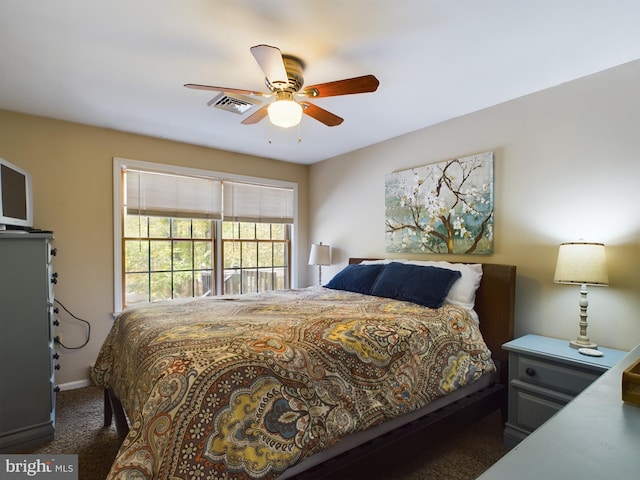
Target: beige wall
71,167
567,166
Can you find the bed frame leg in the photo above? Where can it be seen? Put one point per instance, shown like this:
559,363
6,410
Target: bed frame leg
108,411
504,407
113,409
503,379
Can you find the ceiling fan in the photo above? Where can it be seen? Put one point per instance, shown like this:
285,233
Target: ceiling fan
283,78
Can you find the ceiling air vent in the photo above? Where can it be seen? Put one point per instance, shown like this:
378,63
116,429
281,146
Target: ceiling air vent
233,103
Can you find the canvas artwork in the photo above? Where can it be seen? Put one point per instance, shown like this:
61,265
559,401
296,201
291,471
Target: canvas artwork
442,208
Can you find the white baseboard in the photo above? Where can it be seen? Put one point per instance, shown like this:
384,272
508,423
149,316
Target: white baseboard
74,385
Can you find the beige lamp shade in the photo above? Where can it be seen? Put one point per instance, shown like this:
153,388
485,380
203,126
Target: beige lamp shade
582,263
320,254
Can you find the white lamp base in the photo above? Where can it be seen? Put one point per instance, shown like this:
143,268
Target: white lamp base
583,341
577,343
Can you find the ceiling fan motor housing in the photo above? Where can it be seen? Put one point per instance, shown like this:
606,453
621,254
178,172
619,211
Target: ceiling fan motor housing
294,68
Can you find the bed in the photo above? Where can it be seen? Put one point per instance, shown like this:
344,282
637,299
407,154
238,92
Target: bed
296,383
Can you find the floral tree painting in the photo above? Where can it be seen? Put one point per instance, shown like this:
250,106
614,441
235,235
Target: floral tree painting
443,208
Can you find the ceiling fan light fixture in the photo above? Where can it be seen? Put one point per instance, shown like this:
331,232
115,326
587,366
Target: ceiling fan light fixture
285,113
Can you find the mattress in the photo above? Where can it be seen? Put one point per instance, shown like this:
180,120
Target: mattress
250,386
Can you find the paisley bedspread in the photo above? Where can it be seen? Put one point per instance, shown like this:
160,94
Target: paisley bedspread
246,386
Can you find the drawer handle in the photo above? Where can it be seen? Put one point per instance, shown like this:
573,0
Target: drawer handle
530,371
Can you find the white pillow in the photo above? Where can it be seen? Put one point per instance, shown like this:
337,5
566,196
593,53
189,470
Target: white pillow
463,291
381,262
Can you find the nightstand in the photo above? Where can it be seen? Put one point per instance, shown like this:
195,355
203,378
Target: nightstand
544,375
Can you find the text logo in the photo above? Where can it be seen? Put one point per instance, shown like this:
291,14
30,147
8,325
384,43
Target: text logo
50,467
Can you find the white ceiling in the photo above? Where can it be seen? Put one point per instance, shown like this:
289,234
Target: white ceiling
121,64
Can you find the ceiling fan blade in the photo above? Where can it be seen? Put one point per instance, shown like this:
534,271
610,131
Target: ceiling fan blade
320,114
364,84
225,89
256,116
270,60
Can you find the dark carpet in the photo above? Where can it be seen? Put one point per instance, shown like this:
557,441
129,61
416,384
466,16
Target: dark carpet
462,456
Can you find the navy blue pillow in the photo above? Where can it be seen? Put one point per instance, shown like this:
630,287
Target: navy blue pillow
356,278
424,285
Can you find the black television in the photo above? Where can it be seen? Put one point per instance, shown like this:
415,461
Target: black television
16,197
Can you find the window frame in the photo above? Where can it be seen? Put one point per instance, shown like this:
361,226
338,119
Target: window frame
170,240
257,241
118,193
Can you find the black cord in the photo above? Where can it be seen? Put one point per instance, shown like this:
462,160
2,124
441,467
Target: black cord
58,342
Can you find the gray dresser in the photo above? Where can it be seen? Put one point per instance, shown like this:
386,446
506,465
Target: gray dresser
27,397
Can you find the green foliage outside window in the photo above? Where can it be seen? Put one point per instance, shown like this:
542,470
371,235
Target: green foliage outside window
174,258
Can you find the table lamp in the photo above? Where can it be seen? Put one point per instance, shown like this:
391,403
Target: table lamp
582,263
320,255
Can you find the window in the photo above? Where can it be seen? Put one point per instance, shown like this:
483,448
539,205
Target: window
256,256
183,233
166,258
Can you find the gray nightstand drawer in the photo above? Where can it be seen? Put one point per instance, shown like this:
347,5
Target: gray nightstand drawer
553,375
533,410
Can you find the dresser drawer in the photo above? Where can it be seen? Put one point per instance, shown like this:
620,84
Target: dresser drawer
553,375
534,410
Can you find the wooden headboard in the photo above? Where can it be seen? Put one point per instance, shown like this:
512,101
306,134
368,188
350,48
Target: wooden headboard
495,304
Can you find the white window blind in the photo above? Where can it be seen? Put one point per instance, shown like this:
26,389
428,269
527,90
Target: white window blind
248,202
182,196
169,195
